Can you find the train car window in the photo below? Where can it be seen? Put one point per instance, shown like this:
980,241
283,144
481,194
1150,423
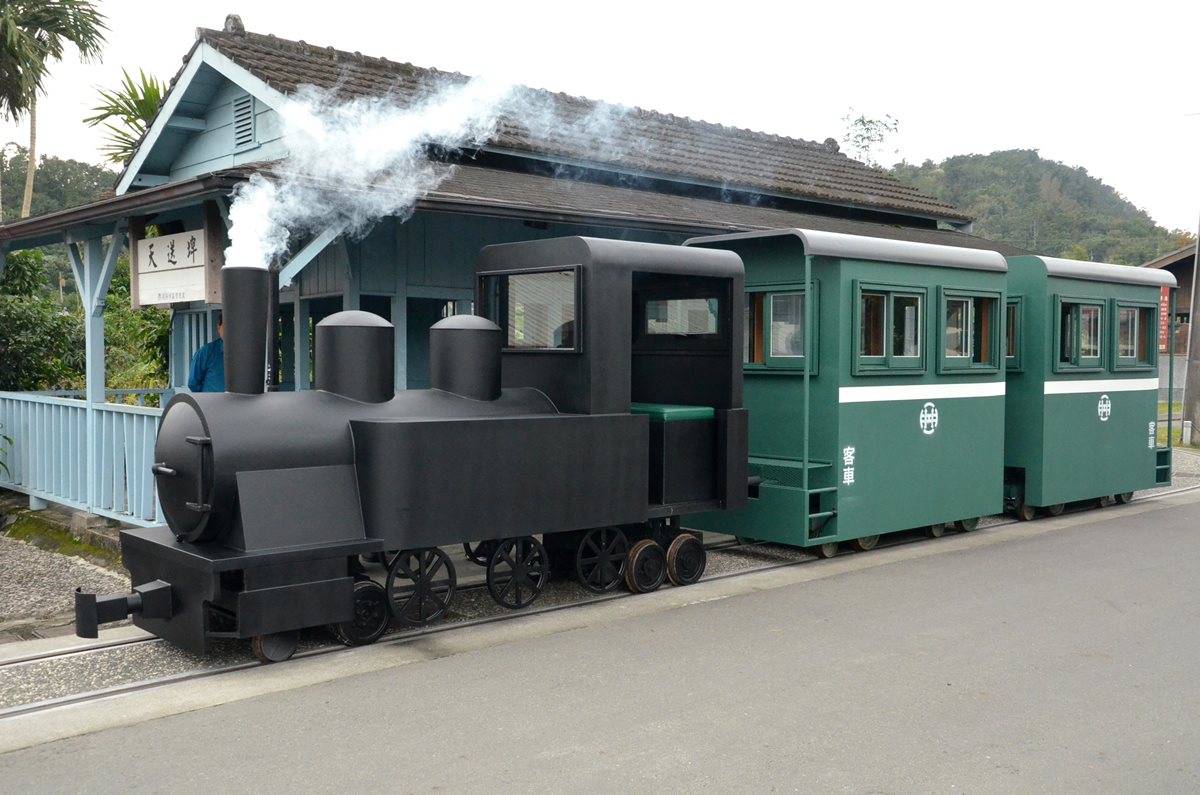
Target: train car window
688,317
1135,342
537,310
775,329
752,335
969,331
1080,342
787,326
889,327
1012,334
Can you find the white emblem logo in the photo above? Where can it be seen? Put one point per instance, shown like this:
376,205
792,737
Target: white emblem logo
1104,408
929,419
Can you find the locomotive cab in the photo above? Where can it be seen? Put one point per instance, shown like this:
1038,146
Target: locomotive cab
617,327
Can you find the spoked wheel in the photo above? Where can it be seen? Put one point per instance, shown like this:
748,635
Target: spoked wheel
371,616
420,585
601,558
936,530
686,560
647,567
1056,509
517,571
481,553
1124,497
825,550
275,647
1025,512
966,525
865,544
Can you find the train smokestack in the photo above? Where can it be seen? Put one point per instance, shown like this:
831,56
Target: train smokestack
464,356
245,295
355,357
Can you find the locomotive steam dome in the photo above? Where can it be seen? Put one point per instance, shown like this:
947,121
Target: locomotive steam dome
464,357
355,356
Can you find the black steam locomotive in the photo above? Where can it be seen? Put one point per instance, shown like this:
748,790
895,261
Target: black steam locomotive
596,400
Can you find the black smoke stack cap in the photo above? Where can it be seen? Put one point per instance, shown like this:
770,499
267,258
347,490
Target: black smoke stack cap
245,295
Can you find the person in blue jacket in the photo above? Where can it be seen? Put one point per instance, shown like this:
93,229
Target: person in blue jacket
208,365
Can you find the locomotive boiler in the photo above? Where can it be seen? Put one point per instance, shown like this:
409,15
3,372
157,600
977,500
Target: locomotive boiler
596,400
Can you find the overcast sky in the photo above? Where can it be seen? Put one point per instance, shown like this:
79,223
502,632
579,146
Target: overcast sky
1112,89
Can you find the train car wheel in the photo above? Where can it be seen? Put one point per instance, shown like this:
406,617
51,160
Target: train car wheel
936,530
865,544
1025,512
686,559
826,550
371,616
601,558
420,585
518,571
275,647
966,525
647,567
1124,497
481,553
1056,509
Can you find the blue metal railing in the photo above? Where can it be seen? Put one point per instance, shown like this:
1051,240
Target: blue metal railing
51,457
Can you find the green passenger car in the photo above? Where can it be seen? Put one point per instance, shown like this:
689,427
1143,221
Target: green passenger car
1082,403
874,377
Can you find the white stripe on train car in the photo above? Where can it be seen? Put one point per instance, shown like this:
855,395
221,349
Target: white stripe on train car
880,394
1101,385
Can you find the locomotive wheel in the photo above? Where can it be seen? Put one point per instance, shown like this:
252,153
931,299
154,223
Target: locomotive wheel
936,530
966,525
1025,512
1056,509
371,616
517,571
865,544
825,550
686,560
601,558
275,647
1124,497
420,585
481,553
647,567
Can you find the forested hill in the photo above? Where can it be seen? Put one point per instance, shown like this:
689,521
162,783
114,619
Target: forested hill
1043,206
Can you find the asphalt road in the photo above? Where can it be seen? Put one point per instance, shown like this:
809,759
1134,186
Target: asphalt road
1059,656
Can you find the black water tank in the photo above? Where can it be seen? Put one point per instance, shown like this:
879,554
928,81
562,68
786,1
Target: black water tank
355,357
464,357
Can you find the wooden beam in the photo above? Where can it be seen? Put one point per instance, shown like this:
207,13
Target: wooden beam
150,180
187,123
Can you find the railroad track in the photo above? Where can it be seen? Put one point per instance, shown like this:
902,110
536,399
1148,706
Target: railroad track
314,647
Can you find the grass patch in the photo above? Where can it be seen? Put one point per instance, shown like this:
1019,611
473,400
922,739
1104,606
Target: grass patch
53,539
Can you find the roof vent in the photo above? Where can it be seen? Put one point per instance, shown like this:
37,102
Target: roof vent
243,121
233,24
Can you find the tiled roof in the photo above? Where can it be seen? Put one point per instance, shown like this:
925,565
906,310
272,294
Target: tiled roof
642,142
528,196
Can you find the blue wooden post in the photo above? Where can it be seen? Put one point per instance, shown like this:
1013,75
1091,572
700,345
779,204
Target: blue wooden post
93,272
400,321
300,340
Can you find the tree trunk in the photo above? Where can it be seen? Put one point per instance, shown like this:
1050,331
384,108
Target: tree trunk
32,167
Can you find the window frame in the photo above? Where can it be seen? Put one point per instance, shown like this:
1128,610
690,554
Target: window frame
889,363
502,320
1077,362
759,324
967,364
1149,334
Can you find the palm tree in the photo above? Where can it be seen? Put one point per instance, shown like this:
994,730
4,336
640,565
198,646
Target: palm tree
134,104
33,33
